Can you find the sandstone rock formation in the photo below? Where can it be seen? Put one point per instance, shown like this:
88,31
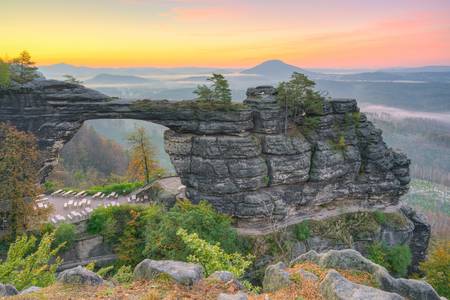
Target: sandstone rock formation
79,275
236,158
352,260
181,272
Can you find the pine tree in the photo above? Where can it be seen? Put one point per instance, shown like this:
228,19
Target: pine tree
204,93
220,87
23,69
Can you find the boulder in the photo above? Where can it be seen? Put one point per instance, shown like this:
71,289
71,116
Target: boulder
79,275
226,277
308,275
8,290
350,259
275,277
181,272
237,296
30,290
336,287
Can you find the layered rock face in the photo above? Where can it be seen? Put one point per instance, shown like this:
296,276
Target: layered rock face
262,174
237,158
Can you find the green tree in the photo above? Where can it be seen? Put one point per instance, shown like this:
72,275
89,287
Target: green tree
5,76
29,264
23,69
71,79
297,97
204,93
65,235
219,90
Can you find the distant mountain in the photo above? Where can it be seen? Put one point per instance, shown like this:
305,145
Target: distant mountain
398,76
57,71
276,68
419,69
116,79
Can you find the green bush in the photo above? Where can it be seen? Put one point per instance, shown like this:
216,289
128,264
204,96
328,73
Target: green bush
65,235
302,231
137,231
212,257
124,275
380,217
161,231
395,259
49,186
29,263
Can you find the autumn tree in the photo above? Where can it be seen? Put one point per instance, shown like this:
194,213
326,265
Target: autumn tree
5,76
23,69
219,90
18,180
297,96
142,164
71,79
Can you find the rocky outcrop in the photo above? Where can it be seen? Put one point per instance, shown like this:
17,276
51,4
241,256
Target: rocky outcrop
237,296
236,157
7,290
276,277
181,272
31,289
352,260
336,287
79,275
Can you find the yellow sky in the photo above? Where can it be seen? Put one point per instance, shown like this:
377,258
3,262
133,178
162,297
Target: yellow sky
346,33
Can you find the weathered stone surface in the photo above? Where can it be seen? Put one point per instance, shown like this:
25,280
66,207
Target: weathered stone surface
275,277
79,275
30,290
7,290
336,287
237,296
352,260
226,277
181,272
306,275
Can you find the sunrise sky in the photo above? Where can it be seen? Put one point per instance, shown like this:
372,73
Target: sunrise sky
234,33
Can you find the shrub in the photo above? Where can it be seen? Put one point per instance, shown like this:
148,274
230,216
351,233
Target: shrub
395,259
65,235
212,257
124,275
302,231
49,186
437,268
380,217
161,231
27,264
311,123
120,188
399,258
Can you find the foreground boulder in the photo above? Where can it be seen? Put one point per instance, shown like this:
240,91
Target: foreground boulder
276,277
7,290
226,277
181,272
79,275
350,259
336,287
30,290
237,296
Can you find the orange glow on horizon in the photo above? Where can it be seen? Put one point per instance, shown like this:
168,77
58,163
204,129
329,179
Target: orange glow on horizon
157,33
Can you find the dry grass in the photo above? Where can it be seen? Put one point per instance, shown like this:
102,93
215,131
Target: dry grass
204,290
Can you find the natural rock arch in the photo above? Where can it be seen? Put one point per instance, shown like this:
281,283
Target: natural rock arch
236,158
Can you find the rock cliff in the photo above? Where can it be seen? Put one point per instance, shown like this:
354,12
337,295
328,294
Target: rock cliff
236,157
